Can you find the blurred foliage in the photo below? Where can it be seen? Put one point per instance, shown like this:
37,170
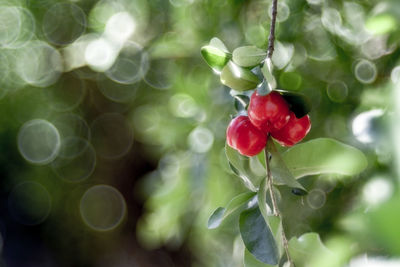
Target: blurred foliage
113,128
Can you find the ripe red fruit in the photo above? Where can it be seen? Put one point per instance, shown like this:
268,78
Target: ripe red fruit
269,112
293,132
245,137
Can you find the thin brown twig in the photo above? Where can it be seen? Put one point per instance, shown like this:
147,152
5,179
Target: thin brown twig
271,38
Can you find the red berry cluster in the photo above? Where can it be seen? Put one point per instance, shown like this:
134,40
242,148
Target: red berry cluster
267,115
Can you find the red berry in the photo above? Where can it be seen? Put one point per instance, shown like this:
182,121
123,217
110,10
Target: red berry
245,137
293,132
269,112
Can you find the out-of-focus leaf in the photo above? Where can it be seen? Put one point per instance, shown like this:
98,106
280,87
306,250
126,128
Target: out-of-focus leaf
251,261
381,24
248,56
306,247
236,205
257,236
298,103
280,171
242,165
215,57
324,155
238,78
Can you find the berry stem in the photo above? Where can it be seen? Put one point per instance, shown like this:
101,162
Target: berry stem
271,38
275,208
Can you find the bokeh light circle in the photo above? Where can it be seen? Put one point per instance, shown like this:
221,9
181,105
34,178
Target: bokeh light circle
112,135
71,125
39,64
130,65
10,24
337,91
100,54
377,190
38,141
120,27
183,105
395,75
29,203
365,71
159,74
76,160
102,207
362,126
316,199
63,23
201,139
117,92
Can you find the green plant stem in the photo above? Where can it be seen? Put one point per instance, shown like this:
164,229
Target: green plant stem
275,208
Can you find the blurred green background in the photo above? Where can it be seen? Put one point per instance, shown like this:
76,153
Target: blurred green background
112,128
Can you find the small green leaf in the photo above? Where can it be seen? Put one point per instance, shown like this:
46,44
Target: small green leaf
257,236
306,247
242,165
237,204
217,43
251,261
298,103
279,170
215,57
238,78
268,74
216,218
248,56
324,155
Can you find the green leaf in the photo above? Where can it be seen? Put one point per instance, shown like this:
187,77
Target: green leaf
268,75
251,261
306,247
324,155
298,103
279,170
248,56
215,57
257,236
243,167
217,43
237,204
238,78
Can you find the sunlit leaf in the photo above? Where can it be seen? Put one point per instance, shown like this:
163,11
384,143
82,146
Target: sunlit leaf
324,155
306,247
280,171
217,43
242,165
238,78
257,236
215,57
236,205
248,56
269,77
298,103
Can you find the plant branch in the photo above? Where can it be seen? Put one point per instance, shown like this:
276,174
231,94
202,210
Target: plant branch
271,38
275,208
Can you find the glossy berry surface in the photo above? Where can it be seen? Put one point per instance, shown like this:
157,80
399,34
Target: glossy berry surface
269,112
293,132
243,136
